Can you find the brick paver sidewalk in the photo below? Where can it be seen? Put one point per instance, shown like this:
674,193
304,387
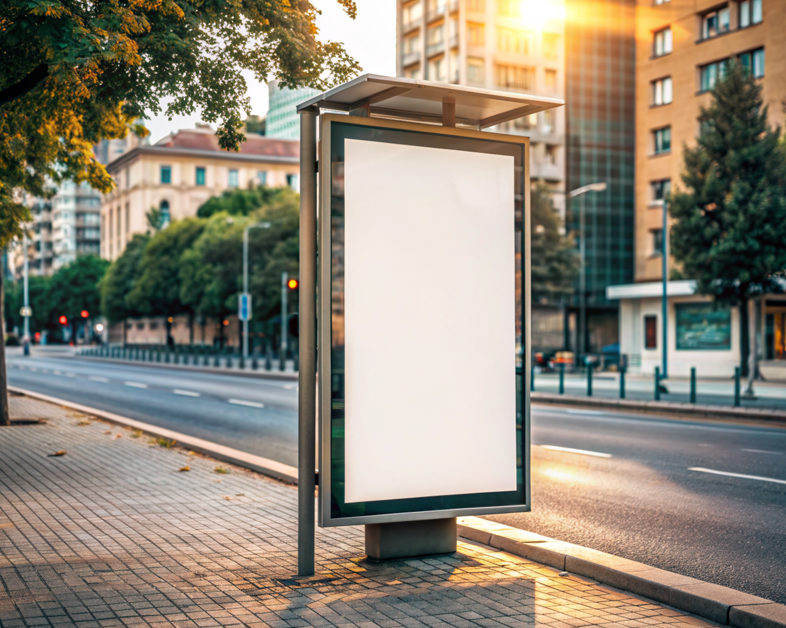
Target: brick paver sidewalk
112,534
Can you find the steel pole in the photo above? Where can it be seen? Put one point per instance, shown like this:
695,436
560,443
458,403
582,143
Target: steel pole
664,297
245,290
26,298
307,375
582,284
284,330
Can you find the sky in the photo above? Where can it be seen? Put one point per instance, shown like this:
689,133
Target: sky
370,39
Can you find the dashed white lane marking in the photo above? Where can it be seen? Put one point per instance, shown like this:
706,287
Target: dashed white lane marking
186,393
737,475
289,386
56,373
586,412
763,451
95,378
70,374
583,452
250,404
135,385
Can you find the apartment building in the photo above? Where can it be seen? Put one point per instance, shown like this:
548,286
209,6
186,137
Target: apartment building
282,120
180,172
493,44
682,48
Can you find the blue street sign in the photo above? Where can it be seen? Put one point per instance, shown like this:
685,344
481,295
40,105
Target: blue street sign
244,307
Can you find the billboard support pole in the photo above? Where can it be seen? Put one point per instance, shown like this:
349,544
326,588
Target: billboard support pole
307,392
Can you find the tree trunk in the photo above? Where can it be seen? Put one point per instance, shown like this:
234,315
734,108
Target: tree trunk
752,352
744,337
5,416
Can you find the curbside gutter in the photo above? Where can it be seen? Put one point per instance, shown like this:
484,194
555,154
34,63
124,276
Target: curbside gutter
691,410
718,603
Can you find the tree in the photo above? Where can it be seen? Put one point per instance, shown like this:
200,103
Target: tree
74,288
730,221
40,302
73,73
554,260
119,282
243,202
157,290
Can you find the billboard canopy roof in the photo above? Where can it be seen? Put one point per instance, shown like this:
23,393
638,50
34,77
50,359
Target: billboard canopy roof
423,101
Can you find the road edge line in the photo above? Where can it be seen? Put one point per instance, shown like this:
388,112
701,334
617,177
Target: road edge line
715,602
230,455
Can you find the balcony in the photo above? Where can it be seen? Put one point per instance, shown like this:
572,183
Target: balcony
435,49
410,58
436,12
454,41
410,26
454,6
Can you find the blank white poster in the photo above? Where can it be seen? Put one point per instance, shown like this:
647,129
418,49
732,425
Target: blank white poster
429,322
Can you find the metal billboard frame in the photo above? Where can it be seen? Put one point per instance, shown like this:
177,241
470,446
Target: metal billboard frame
324,319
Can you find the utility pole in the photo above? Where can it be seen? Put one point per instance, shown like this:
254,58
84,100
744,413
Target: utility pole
26,298
664,297
258,225
284,282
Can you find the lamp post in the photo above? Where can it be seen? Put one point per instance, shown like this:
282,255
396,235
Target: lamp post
260,225
580,192
26,298
664,300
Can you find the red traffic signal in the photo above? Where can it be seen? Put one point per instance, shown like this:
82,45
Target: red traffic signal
63,320
85,313
292,284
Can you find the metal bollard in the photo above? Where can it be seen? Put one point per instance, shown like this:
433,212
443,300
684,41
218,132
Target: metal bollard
622,382
268,358
561,378
242,364
532,380
693,384
229,361
736,386
282,360
589,379
657,383
296,362
254,361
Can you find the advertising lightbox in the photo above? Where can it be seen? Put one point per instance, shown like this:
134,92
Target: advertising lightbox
423,409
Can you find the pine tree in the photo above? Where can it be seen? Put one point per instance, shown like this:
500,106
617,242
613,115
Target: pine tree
730,230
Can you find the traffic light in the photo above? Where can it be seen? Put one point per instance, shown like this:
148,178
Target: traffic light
85,313
292,284
293,326
63,320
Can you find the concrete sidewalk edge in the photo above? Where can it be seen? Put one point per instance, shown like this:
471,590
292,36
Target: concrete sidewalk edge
718,603
662,407
279,375
259,464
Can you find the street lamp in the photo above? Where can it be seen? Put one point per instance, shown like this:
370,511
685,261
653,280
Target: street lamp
580,192
257,225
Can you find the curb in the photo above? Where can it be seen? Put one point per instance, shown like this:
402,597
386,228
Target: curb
259,464
711,601
662,407
286,375
715,602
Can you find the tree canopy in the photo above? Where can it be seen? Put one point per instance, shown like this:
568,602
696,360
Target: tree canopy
74,287
119,281
73,73
730,219
555,263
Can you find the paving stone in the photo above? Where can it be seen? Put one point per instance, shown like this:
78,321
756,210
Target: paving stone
112,534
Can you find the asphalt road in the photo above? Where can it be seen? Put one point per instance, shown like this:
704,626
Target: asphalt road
633,489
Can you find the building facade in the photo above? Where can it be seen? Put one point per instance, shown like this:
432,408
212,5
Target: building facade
681,51
182,171
282,120
600,73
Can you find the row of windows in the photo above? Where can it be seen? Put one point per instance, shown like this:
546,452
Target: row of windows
753,61
713,23
232,177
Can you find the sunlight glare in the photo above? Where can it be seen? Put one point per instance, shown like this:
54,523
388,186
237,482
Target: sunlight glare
537,14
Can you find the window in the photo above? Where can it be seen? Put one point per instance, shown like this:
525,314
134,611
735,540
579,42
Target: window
662,139
437,70
413,73
753,62
550,46
551,154
476,5
657,241
710,73
412,45
262,177
163,207
661,189
200,176
434,36
715,23
661,91
509,40
233,178
292,181
549,120
508,8
703,327
657,2
514,77
551,81
650,332
166,174
476,34
750,12
475,71
661,44
412,13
